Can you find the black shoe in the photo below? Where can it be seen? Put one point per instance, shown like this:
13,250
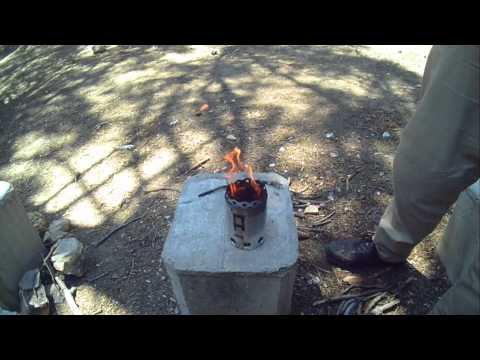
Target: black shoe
354,254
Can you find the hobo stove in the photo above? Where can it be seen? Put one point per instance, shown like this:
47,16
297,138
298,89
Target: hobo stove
229,254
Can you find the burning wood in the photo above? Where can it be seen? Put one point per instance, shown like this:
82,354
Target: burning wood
239,190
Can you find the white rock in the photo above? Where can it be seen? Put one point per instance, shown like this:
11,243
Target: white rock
311,209
282,149
333,155
68,257
386,135
231,137
174,122
58,229
330,135
272,165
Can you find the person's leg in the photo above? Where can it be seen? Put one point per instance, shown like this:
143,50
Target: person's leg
459,251
438,153
438,158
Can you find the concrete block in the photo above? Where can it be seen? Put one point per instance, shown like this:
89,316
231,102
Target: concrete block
20,246
211,276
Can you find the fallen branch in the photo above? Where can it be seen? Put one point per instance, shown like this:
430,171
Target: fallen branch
325,220
68,297
160,189
116,229
195,167
345,297
95,278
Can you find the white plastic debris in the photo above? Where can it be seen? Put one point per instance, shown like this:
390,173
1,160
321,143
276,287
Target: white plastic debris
173,123
272,165
68,257
231,137
282,149
126,147
330,135
386,135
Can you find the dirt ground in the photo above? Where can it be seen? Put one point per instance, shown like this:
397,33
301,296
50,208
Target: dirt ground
64,111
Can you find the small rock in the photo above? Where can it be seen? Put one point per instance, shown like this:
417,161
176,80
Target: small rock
214,52
166,217
68,257
34,302
98,49
386,135
272,165
173,123
38,221
58,229
311,210
231,137
30,280
55,294
282,149
333,155
164,278
330,135
331,197
378,193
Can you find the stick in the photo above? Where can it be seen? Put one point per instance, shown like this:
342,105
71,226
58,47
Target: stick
49,271
131,267
160,189
98,277
196,166
49,253
212,190
345,297
383,308
350,177
68,297
116,229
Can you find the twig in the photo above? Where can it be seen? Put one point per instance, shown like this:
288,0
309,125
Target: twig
68,297
383,308
212,190
196,166
350,177
98,312
131,267
345,297
116,229
49,253
95,278
160,189
324,220
306,228
49,270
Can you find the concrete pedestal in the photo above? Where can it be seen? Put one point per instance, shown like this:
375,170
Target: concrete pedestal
211,276
20,246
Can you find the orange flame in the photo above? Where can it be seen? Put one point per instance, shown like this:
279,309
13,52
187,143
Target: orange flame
236,165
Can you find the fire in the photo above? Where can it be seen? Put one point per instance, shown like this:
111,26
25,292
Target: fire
236,165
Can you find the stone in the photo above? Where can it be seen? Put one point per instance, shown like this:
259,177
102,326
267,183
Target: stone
20,245
68,257
231,137
58,229
54,293
311,210
98,49
211,276
386,135
282,149
38,221
330,135
272,165
34,301
333,155
30,280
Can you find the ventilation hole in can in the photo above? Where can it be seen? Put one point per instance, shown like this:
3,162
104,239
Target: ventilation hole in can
233,241
247,244
260,240
244,205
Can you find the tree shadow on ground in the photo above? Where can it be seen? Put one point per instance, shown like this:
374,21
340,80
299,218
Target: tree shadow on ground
60,101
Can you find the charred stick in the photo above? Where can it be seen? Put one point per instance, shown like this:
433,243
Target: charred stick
212,190
116,229
160,189
196,166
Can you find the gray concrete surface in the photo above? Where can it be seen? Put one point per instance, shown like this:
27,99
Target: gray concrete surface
20,245
211,276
